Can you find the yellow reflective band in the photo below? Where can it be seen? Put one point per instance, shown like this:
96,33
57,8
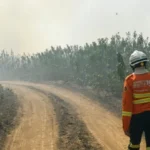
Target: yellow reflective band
134,146
141,95
141,101
126,113
147,148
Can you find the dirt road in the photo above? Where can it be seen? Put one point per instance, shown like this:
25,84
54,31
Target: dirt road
104,126
37,129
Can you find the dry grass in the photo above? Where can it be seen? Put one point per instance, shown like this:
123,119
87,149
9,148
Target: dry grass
8,112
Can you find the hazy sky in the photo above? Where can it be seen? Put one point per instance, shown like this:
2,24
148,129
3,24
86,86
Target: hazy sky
34,25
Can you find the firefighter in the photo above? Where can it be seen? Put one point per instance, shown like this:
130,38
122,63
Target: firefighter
136,101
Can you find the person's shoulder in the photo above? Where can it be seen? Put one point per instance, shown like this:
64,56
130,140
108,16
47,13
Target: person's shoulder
129,77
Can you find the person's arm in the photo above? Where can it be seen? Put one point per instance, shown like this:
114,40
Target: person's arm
127,106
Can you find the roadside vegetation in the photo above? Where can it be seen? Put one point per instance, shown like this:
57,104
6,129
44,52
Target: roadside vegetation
8,112
101,65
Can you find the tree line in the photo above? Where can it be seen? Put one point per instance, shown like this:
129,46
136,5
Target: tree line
102,64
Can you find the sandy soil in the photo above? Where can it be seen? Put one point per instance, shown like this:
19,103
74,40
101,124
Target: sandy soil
104,126
37,129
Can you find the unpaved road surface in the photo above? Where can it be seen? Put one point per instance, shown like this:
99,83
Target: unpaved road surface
37,129
104,126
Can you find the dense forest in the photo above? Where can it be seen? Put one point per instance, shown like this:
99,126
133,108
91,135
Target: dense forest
102,64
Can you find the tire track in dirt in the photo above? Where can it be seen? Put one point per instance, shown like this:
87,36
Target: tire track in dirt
37,129
104,126
73,133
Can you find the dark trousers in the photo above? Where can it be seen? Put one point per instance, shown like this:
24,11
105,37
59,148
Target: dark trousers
139,123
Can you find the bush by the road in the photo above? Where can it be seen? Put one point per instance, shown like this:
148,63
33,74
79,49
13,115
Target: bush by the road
8,111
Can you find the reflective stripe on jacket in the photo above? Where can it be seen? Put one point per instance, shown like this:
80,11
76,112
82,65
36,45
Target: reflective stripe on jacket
136,97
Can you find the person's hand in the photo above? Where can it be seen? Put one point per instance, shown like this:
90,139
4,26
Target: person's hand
127,133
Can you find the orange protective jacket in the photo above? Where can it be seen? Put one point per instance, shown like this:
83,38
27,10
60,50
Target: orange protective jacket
136,97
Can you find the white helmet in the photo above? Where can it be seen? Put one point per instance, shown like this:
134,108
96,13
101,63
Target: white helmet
137,57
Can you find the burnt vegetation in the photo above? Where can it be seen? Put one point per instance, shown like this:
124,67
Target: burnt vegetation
8,113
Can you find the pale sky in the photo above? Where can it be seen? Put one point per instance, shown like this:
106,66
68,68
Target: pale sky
31,26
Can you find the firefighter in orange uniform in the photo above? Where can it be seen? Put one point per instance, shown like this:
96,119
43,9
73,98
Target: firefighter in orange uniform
136,102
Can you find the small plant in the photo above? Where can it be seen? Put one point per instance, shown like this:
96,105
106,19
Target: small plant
8,111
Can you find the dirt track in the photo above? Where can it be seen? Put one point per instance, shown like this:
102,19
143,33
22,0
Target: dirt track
104,126
37,129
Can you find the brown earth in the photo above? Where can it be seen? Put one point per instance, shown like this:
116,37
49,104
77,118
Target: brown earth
37,129
73,134
102,124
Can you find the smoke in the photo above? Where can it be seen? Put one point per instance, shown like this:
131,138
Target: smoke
34,25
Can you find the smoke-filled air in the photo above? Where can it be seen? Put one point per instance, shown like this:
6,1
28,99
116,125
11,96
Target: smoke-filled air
102,64
74,75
